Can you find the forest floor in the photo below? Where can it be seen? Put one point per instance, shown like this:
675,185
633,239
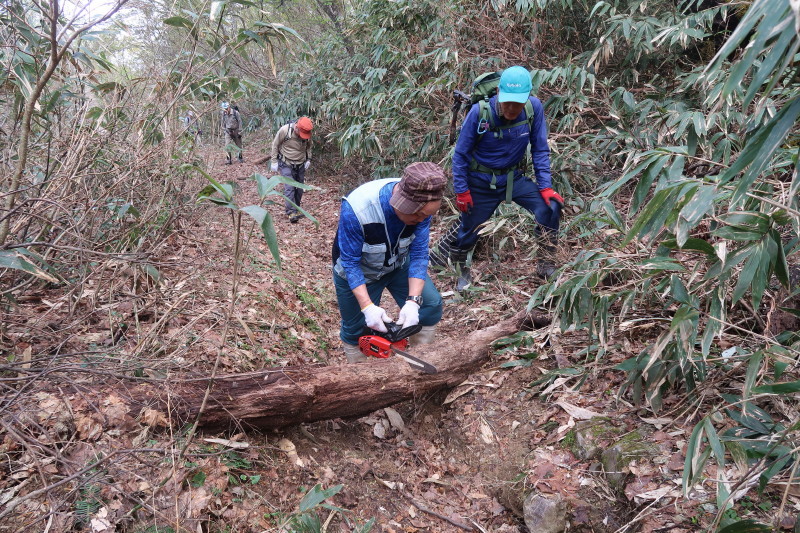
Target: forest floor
446,462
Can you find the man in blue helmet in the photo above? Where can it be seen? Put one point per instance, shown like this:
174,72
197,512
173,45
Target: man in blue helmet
487,169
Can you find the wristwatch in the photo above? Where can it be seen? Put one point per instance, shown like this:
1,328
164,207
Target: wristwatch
416,299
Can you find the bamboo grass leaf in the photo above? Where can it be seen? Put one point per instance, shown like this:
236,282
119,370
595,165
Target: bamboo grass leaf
264,221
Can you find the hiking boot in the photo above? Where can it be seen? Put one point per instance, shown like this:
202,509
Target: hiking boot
464,279
425,336
294,219
241,159
353,353
545,268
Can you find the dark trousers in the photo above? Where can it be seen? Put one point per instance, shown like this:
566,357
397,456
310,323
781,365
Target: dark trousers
524,193
233,137
353,324
293,194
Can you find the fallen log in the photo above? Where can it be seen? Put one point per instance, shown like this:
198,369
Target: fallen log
275,398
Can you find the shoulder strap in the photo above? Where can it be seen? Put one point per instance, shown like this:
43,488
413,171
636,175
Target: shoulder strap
485,116
529,114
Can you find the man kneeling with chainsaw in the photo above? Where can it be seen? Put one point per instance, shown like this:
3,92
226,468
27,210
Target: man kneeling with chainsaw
382,243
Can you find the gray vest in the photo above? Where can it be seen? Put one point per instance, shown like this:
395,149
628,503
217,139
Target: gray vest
378,257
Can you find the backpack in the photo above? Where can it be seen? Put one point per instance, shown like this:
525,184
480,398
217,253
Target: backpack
291,125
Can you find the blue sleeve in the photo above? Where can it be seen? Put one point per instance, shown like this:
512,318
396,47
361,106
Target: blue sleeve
464,146
418,251
351,243
540,151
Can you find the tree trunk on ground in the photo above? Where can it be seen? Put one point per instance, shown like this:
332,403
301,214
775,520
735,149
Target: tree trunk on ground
277,398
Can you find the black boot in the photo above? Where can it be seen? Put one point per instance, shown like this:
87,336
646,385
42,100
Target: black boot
546,265
464,277
459,258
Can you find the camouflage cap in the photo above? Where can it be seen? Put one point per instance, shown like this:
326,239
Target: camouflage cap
422,182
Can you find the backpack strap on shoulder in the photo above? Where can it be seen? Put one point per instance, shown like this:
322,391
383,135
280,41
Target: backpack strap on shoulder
485,119
486,123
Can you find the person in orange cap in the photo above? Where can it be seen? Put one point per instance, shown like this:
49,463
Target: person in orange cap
291,156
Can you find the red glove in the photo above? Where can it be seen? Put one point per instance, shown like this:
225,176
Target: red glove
549,194
464,201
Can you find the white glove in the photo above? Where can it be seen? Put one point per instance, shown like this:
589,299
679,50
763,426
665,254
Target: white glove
273,166
375,317
409,315
307,164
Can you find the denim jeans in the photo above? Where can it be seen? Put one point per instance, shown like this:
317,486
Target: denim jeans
353,324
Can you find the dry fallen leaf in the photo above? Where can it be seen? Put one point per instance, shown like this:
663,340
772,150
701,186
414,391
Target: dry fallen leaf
394,485
395,419
288,447
379,429
656,494
232,443
153,418
457,393
87,428
487,435
578,412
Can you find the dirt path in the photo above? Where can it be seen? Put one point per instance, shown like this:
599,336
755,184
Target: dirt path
454,460
423,466
440,463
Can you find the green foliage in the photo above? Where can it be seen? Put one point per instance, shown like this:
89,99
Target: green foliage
88,503
222,194
306,519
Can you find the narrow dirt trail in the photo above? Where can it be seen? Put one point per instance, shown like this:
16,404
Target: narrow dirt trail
454,462
462,460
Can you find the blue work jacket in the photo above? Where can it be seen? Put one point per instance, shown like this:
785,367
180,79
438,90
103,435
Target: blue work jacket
496,152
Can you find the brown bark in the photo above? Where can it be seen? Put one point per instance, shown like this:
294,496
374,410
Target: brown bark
277,398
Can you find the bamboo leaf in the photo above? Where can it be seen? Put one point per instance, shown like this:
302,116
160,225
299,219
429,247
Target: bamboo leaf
264,221
758,151
745,526
16,260
317,495
789,387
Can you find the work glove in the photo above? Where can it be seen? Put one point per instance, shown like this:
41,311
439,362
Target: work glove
409,315
375,317
464,201
273,166
549,194
307,164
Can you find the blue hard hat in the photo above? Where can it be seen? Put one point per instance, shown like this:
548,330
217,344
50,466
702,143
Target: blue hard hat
225,105
515,85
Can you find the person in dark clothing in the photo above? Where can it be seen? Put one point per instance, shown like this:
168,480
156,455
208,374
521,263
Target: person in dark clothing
487,169
232,128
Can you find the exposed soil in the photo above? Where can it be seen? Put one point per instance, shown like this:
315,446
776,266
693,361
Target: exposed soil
456,460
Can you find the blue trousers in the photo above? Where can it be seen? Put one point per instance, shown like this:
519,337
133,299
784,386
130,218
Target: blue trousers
524,193
353,324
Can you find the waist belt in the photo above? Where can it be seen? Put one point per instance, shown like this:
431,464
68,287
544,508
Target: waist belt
509,172
293,166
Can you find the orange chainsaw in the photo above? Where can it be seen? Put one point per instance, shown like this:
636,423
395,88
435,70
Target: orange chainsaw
394,342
